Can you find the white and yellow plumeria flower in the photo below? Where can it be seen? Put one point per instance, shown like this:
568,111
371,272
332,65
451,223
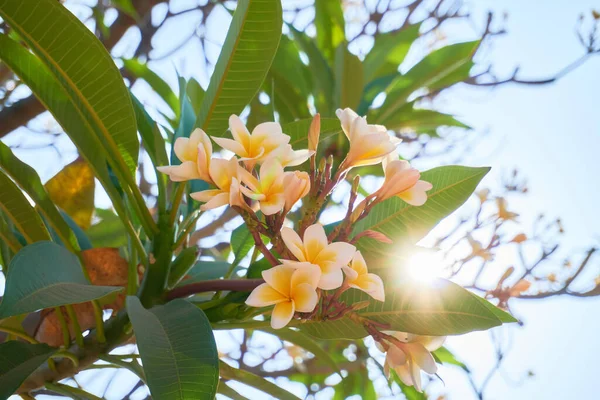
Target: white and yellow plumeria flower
194,153
255,147
369,144
290,288
403,181
358,276
297,185
268,190
222,172
413,356
315,249
288,157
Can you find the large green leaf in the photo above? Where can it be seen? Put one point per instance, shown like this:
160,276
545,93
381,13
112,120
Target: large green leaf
153,141
349,80
18,360
178,350
241,242
406,224
204,270
53,95
438,309
158,84
45,275
421,120
84,67
330,25
441,68
244,61
445,356
108,232
16,206
187,119
389,51
26,177
257,382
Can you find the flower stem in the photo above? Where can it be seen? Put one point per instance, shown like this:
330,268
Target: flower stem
63,326
176,202
19,334
99,322
76,328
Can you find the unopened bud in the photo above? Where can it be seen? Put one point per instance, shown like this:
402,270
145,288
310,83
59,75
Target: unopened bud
322,164
380,237
520,238
314,132
355,183
360,305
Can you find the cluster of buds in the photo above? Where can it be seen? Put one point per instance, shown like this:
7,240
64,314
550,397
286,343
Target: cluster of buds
310,268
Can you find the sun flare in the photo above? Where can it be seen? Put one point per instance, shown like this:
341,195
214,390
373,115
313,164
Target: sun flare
425,266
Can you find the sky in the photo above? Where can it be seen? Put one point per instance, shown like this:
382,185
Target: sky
552,134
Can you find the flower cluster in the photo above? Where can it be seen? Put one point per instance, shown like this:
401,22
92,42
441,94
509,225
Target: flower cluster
408,354
309,266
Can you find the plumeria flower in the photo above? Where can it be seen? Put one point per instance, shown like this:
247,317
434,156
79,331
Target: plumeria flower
268,190
255,147
290,288
297,185
194,153
288,157
315,249
369,144
357,276
412,356
222,172
403,181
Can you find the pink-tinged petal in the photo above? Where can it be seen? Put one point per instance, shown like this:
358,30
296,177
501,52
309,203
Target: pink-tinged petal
219,200
282,314
263,296
293,243
432,343
272,204
231,145
335,256
415,375
416,196
306,273
298,157
235,196
315,240
346,117
403,372
279,278
239,131
420,355
185,171
395,356
332,279
266,129
205,195
270,171
305,297
351,274
203,164
252,195
386,369
249,179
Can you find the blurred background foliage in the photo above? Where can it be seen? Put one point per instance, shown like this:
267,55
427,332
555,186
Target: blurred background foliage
390,60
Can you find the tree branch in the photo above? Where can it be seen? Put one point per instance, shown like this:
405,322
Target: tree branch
234,285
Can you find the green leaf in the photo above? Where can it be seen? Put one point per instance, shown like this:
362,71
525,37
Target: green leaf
53,95
437,309
389,51
162,88
8,238
405,224
186,120
127,7
330,25
257,382
323,87
72,189
244,61
195,94
421,120
241,242
45,275
28,180
307,343
437,70
206,270
349,81
178,350
181,265
445,356
18,360
16,206
500,314
84,68
109,232
153,141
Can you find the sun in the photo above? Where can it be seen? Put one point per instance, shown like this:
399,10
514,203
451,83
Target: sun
425,265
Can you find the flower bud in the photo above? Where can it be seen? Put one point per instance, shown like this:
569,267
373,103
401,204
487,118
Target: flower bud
297,185
314,132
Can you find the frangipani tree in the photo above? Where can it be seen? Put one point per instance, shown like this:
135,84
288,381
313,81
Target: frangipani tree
284,272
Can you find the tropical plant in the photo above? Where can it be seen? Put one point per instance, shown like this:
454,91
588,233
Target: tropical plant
100,279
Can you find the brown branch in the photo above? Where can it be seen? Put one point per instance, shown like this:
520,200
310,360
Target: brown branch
234,285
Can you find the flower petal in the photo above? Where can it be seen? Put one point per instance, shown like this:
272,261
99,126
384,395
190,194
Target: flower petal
372,285
395,356
403,372
231,145
186,171
306,273
351,274
420,355
272,204
293,242
219,200
332,279
315,240
335,256
279,278
264,295
305,297
415,375
282,314
185,149
416,195
239,131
